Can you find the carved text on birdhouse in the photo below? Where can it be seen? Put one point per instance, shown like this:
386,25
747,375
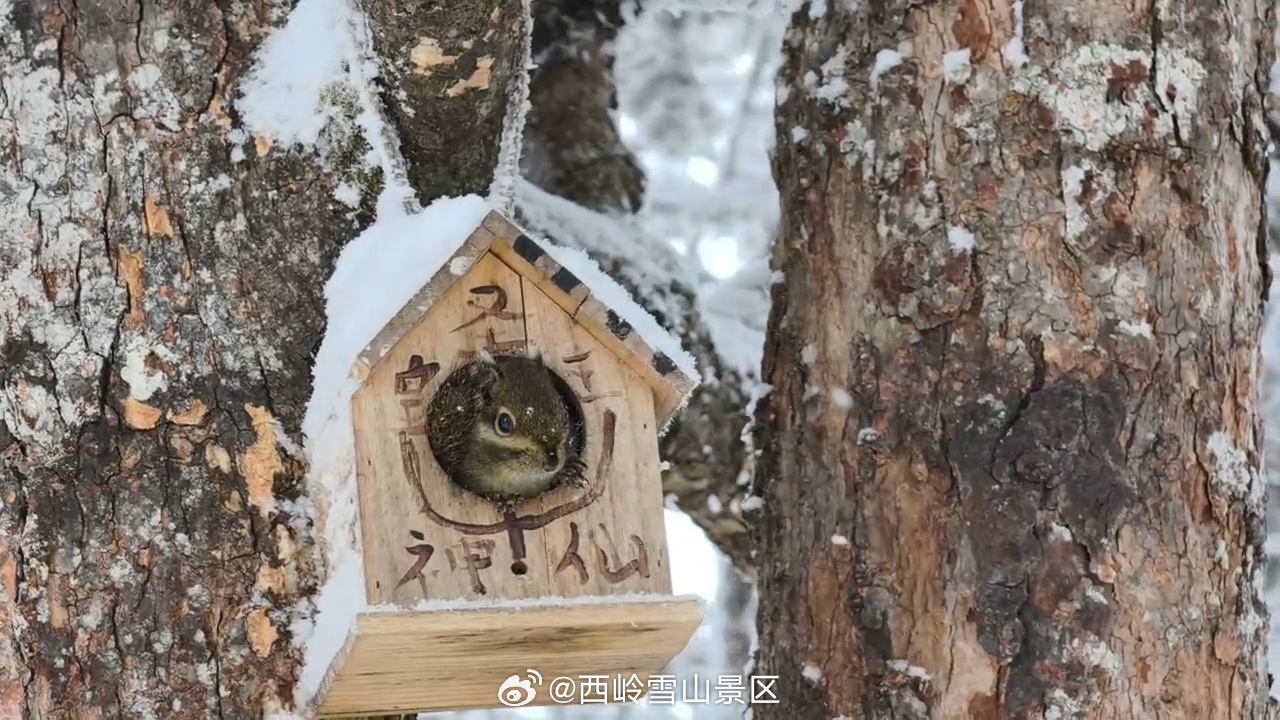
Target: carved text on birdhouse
575,506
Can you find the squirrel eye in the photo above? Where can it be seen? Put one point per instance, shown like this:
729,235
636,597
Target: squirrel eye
505,424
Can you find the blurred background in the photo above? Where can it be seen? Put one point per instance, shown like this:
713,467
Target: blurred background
696,97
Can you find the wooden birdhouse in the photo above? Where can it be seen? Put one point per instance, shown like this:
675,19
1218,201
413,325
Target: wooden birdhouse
574,581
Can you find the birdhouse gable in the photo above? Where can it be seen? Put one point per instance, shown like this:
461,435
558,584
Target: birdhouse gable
575,284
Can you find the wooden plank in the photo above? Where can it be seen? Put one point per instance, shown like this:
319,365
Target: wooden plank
621,539
411,512
389,415
420,304
416,661
528,258
660,373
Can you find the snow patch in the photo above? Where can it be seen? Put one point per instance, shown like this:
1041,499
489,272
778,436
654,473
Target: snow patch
753,503
886,60
1014,52
347,194
714,506
838,539
841,398
956,67
507,176
281,95
322,44
811,673
1233,475
829,83
809,354
961,240
459,265
867,435
912,671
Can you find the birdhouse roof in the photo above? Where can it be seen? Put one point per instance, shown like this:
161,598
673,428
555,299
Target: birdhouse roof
575,283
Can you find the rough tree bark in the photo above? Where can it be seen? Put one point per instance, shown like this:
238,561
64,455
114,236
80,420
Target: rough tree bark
573,151
1010,456
161,280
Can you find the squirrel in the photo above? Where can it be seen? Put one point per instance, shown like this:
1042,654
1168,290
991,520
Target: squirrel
500,428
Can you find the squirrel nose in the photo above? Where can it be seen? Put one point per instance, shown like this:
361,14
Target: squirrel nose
552,460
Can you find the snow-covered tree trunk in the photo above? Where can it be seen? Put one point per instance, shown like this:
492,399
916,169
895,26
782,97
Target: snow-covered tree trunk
1010,456
161,277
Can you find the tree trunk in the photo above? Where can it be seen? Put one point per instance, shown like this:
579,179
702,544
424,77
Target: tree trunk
161,301
1010,458
572,144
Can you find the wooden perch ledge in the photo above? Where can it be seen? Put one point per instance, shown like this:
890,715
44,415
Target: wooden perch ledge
409,661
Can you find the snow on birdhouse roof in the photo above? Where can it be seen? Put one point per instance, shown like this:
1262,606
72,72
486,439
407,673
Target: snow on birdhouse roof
568,276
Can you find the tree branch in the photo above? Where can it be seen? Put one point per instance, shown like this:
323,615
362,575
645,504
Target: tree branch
573,146
448,72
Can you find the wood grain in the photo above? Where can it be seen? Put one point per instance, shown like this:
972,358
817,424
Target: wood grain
626,525
405,662
422,301
412,554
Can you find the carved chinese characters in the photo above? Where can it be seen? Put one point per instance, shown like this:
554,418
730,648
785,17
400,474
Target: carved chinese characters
427,539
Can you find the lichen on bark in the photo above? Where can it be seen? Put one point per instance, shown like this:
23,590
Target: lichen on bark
162,301
447,73
163,276
1030,243
345,149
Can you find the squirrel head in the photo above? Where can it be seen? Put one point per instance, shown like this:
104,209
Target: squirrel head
523,423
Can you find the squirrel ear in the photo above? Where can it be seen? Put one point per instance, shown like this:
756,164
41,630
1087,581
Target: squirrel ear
484,369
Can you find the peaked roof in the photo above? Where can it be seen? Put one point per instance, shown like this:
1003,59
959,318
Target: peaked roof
575,283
